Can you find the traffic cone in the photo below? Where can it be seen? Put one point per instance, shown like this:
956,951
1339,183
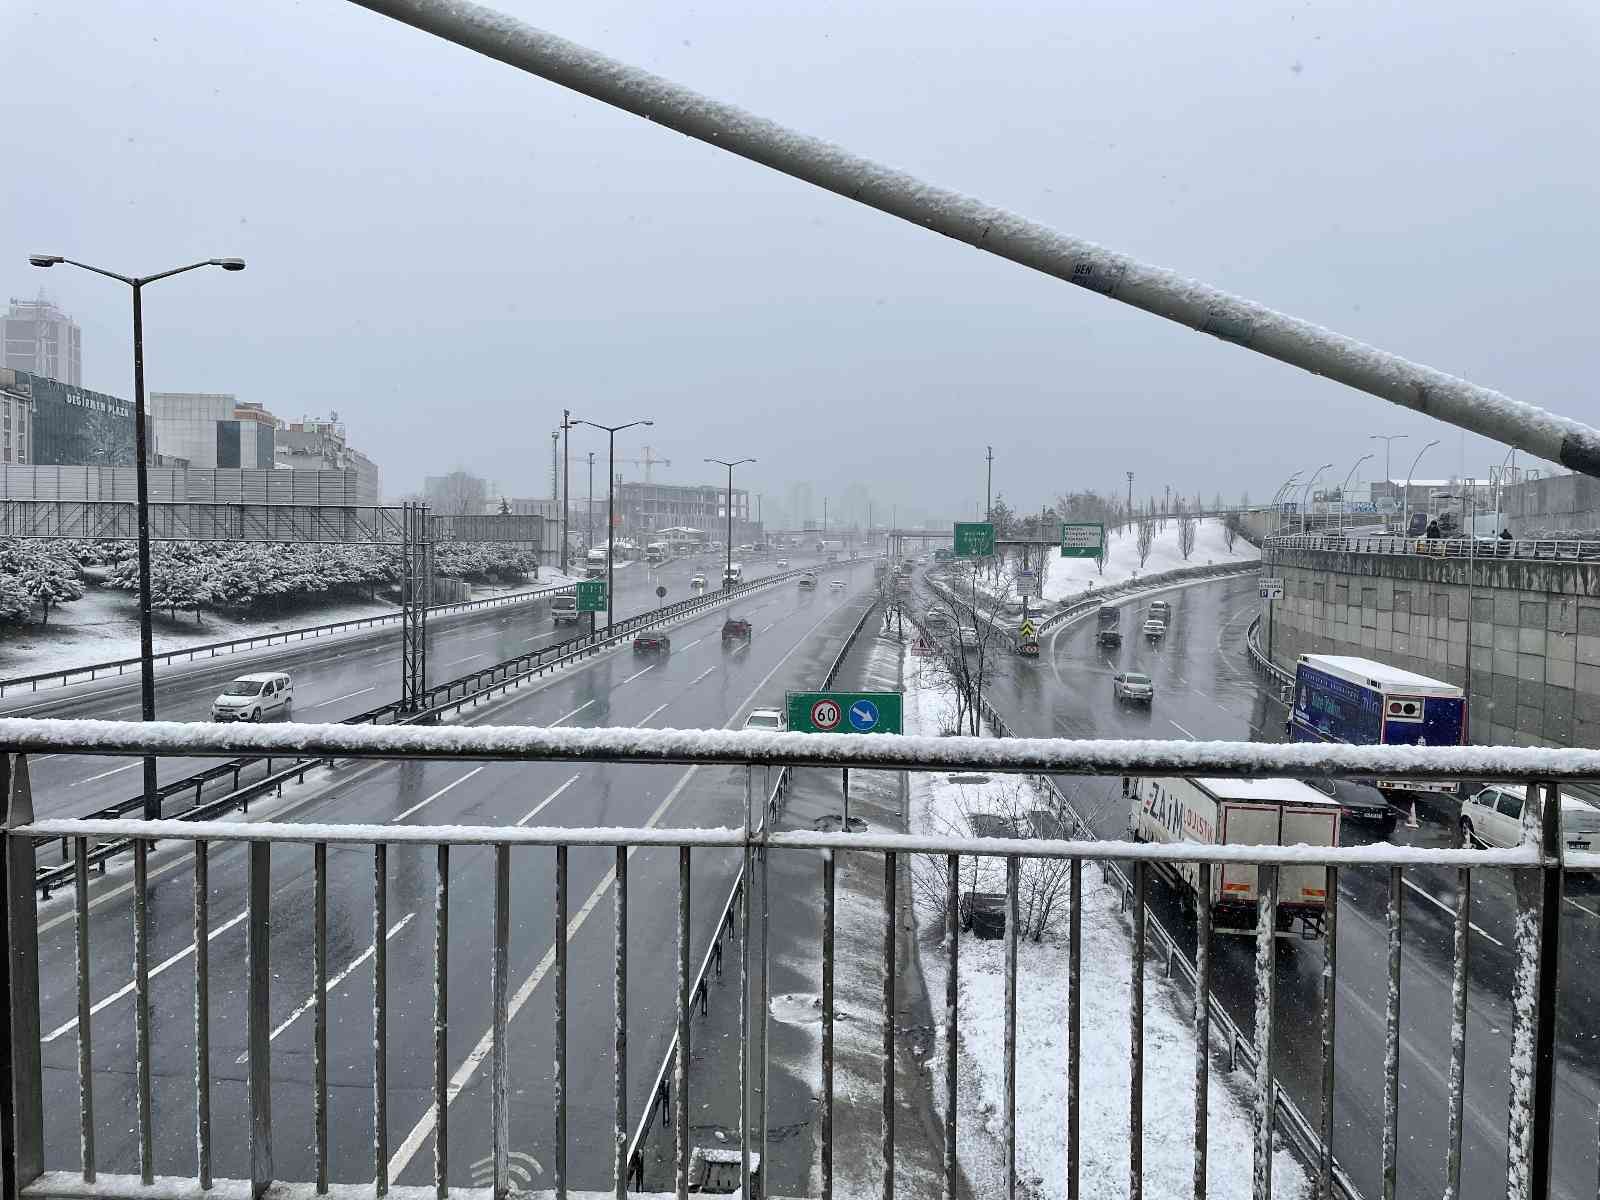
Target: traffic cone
1411,821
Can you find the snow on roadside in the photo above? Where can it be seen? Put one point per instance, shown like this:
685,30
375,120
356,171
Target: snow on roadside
1070,576
937,802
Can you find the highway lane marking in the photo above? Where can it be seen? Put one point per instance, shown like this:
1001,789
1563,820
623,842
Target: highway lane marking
573,713
347,696
105,774
1591,912
425,1125
332,983
692,682
696,642
636,675
1182,730
543,804
457,661
1440,904
645,720
127,989
424,803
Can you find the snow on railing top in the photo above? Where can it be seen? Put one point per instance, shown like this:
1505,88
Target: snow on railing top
738,747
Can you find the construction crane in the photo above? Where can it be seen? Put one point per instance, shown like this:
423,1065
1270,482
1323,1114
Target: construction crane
647,462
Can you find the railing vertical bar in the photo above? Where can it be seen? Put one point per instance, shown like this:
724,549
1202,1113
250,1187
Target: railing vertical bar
1391,1040
1551,882
1202,1026
1013,865
259,974
1458,1032
890,913
80,882
1266,1025
680,1070
202,1015
498,986
559,986
1136,1039
1074,1025
619,1028
319,1011
766,1006
828,882
952,994
1330,981
441,1022
22,1072
380,1018
141,1005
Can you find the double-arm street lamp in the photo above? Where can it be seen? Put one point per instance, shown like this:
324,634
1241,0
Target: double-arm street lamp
147,668
727,569
611,508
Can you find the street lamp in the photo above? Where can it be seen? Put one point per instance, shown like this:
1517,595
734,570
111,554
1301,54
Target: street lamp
727,570
1388,440
611,514
1344,487
147,666
1405,520
1310,483
1277,498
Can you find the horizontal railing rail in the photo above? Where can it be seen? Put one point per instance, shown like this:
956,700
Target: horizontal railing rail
1540,549
1258,656
1537,868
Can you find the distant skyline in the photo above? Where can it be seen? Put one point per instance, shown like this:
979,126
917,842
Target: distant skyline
448,252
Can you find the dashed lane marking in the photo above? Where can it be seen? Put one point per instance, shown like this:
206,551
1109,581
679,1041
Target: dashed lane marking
540,807
1182,730
424,803
571,714
346,696
105,774
457,661
1440,904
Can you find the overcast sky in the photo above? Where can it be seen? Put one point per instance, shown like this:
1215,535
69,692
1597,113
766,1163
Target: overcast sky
447,251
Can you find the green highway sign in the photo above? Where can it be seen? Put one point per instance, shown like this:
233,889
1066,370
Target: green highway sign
591,595
974,539
1082,540
844,712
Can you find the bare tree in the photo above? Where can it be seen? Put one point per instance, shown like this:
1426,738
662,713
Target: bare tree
1146,536
457,494
970,648
1186,524
1230,531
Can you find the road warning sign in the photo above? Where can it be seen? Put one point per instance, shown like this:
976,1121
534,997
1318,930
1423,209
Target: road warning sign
1028,632
922,647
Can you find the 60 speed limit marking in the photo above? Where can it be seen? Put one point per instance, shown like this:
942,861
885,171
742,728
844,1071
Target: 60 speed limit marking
825,715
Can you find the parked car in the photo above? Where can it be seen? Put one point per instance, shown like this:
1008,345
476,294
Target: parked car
770,719
255,697
1133,687
735,629
652,643
1155,629
1493,817
1361,802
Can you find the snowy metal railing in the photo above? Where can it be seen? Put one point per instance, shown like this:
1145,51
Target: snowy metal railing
54,1170
1258,656
1484,548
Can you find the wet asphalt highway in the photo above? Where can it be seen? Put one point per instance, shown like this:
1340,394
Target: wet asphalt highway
698,685
1205,689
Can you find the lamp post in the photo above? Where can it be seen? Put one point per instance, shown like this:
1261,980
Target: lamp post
1344,488
147,667
1405,520
727,569
1388,440
588,516
611,506
1310,483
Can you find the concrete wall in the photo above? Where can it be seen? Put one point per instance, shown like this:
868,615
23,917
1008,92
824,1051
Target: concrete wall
1530,631
1559,502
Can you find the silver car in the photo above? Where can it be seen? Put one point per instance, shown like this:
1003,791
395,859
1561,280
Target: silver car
1133,687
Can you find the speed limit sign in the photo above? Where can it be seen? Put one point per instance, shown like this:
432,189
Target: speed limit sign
825,715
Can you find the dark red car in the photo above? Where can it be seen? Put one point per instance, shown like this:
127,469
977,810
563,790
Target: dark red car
652,643
735,629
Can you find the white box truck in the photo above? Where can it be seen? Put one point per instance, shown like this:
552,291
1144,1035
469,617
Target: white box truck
1240,812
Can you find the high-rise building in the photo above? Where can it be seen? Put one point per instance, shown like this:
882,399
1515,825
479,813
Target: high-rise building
41,339
213,429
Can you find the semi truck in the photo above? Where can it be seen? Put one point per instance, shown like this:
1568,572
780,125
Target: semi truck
1240,812
1362,702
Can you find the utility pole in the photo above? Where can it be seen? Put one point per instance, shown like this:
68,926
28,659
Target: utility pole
988,488
824,518
1130,497
588,517
566,500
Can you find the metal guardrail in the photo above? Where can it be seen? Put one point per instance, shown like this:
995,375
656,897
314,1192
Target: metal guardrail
1258,656
1486,548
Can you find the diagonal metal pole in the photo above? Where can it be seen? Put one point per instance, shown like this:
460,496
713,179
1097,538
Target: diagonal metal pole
1156,290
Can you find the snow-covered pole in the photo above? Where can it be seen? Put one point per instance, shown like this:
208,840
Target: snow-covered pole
1391,1039
986,227
1266,992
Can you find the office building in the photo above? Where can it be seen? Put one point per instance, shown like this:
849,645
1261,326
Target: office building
212,429
42,340
321,444
16,420
69,426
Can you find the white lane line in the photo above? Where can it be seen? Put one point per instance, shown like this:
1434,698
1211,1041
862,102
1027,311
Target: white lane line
127,989
540,807
1182,730
1440,904
105,774
346,696
636,675
424,1127
457,661
692,682
766,627
424,803
494,633
645,720
573,713
1581,908
335,981
694,643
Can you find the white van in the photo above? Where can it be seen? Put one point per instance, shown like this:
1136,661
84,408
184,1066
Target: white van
564,609
1494,817
255,697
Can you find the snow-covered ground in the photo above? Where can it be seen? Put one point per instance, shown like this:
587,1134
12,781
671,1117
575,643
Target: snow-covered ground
1070,576
938,804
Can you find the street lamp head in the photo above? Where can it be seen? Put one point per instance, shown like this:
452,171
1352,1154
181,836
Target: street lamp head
45,260
229,264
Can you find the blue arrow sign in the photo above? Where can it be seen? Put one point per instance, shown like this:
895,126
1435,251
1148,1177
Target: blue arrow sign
863,716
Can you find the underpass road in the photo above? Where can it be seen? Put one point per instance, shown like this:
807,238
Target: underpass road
1205,689
697,685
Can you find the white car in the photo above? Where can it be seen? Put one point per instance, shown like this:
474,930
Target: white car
698,583
255,697
783,564
836,585
1154,629
1494,817
769,719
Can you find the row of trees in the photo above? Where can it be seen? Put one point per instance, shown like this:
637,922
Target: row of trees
35,576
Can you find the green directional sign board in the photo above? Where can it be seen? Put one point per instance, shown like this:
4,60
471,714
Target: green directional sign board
1082,540
845,712
974,539
591,595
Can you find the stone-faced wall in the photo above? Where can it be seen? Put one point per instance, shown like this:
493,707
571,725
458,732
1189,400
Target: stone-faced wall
1530,632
